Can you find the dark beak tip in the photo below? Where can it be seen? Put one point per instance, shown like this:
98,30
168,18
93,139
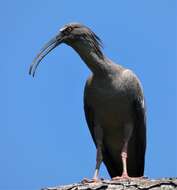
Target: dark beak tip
30,71
44,51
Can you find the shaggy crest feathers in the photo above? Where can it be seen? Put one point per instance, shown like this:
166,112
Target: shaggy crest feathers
94,41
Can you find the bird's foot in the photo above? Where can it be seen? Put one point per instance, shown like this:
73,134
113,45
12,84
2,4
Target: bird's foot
125,176
94,180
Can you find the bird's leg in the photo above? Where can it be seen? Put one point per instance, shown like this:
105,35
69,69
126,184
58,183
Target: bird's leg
127,134
124,161
99,157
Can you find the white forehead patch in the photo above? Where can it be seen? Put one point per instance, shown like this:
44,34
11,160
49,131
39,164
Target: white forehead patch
62,29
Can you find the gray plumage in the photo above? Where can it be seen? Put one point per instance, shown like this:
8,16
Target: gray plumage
113,103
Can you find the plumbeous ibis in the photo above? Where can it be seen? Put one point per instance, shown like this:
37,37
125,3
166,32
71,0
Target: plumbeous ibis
113,103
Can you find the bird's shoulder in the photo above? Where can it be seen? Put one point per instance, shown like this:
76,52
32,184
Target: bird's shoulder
89,81
131,83
88,84
129,75
129,78
134,83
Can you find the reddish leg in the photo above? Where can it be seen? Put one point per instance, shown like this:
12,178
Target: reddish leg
124,164
127,134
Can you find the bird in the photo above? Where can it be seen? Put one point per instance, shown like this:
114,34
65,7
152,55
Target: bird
114,104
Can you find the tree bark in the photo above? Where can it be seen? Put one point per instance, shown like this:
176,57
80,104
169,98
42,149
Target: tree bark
124,184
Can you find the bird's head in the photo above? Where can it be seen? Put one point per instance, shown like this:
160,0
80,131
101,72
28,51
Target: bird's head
74,35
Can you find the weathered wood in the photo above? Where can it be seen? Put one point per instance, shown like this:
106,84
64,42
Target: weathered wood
125,184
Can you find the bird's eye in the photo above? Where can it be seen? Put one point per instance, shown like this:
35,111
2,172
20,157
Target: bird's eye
67,30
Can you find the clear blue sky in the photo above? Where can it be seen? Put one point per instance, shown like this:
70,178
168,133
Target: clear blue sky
44,139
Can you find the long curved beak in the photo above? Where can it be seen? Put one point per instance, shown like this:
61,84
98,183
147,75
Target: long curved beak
54,42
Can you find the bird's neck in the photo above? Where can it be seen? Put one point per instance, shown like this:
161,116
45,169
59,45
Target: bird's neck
98,64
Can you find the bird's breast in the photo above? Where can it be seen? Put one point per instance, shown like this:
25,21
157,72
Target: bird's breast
109,101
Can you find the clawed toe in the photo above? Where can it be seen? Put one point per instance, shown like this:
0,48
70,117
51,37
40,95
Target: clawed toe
120,177
127,177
